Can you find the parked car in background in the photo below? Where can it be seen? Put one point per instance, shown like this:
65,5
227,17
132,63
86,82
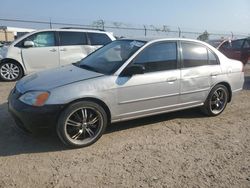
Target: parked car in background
236,49
125,79
50,48
215,43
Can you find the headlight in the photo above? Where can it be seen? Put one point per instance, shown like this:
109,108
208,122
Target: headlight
35,98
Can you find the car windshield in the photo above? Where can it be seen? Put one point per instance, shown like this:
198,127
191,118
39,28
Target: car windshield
111,57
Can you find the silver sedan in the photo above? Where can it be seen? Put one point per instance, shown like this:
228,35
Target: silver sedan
124,80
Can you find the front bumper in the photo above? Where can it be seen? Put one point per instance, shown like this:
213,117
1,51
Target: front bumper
32,119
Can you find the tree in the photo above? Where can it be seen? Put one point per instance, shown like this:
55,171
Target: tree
204,36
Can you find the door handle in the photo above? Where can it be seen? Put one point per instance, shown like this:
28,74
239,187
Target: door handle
63,49
53,50
172,79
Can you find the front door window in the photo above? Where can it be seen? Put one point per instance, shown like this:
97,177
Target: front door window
43,39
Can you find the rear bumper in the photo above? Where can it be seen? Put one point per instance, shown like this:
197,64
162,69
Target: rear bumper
32,119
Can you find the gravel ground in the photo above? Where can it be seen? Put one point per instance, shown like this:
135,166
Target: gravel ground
181,149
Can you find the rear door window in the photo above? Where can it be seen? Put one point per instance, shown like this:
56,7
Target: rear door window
98,38
212,58
194,55
72,38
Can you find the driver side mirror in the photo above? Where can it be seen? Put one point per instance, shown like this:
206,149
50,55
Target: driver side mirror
29,44
132,70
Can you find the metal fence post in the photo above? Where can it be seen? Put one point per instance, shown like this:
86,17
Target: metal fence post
102,22
145,30
179,31
50,24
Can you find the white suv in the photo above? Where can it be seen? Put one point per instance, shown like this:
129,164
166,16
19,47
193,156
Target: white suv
49,48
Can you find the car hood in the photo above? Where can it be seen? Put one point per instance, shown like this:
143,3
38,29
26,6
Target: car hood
50,79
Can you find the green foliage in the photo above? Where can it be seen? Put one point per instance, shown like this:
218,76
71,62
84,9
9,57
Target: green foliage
204,36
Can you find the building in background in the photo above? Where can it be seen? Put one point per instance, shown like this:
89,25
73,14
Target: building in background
8,34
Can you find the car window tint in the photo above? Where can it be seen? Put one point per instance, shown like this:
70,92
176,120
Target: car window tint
226,45
212,58
158,57
98,39
247,44
43,39
237,44
194,55
72,38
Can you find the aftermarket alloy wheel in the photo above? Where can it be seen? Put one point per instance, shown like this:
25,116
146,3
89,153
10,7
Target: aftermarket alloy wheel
216,101
10,71
81,124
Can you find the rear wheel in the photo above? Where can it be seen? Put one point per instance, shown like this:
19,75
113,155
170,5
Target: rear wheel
216,101
10,71
81,124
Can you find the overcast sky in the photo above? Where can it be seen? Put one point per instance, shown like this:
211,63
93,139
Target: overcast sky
211,15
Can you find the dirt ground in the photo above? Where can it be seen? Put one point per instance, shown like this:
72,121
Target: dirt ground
181,149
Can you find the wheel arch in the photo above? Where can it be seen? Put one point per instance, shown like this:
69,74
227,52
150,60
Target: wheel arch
13,60
95,100
227,85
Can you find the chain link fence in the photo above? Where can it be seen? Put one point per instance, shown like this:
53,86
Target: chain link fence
120,29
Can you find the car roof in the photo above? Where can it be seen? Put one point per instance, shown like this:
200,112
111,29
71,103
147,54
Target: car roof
153,40
75,30
65,29
157,39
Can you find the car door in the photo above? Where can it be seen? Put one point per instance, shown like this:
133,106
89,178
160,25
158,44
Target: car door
232,49
72,46
246,51
200,69
157,89
44,54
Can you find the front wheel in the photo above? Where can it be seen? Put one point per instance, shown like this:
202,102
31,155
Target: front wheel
10,71
81,124
216,101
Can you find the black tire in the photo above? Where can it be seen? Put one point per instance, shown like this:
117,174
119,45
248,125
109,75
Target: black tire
216,101
10,71
81,124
